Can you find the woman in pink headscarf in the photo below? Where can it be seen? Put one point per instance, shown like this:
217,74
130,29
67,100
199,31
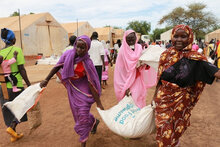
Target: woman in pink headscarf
128,79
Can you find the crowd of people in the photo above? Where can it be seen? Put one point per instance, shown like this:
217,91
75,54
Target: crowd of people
182,75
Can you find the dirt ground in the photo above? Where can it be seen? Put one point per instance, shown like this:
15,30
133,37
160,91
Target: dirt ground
57,121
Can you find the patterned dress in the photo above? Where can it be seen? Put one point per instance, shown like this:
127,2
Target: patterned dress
174,103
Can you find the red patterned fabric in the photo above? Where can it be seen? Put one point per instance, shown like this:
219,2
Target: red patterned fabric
174,103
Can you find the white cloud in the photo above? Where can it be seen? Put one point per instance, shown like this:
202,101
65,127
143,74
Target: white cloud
103,12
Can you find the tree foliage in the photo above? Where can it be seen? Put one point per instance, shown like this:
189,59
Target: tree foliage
195,16
15,13
142,27
158,31
115,27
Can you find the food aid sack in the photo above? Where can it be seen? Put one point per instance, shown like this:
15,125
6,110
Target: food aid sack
25,101
127,120
151,56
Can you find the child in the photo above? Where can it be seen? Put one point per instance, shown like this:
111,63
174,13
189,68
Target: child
9,77
107,61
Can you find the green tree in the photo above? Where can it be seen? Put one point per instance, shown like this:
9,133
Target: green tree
194,16
15,13
142,27
157,32
115,27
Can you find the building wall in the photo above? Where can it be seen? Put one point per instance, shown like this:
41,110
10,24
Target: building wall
213,35
166,36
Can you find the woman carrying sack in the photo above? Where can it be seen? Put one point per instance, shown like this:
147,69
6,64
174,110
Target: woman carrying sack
11,122
128,78
83,87
182,75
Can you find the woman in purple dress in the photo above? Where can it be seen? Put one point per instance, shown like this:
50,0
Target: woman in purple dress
83,87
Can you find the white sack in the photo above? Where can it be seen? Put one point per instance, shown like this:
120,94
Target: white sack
210,60
127,120
24,101
151,56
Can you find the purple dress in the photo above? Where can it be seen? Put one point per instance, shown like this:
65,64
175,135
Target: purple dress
79,94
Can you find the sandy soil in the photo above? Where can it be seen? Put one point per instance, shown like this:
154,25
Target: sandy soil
57,121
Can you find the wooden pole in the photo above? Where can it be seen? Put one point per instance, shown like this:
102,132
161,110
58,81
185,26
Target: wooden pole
77,26
3,84
20,28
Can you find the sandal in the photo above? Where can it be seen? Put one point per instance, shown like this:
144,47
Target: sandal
93,131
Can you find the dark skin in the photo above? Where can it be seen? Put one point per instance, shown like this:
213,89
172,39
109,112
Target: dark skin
130,39
180,41
81,50
23,73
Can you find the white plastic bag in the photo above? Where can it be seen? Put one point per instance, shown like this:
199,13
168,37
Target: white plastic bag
24,101
151,56
127,120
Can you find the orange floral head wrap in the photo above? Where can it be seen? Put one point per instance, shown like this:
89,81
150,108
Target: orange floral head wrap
188,30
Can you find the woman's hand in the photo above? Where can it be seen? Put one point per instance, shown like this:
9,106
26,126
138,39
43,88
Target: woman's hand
217,74
43,83
15,54
127,92
144,66
100,106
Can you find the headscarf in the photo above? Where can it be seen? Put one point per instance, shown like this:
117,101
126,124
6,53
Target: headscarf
188,30
125,74
10,36
70,60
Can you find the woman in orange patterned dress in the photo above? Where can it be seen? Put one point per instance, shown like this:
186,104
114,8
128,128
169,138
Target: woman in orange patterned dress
182,75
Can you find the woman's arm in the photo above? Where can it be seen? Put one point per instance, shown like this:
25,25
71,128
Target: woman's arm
109,60
156,90
96,96
23,73
217,74
103,62
50,75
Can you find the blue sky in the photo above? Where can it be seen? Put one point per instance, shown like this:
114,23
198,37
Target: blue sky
103,12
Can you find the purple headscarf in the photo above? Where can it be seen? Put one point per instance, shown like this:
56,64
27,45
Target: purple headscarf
70,60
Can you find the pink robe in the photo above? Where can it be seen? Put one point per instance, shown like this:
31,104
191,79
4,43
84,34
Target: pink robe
126,75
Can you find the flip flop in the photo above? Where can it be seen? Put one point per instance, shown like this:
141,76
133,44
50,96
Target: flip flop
93,131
